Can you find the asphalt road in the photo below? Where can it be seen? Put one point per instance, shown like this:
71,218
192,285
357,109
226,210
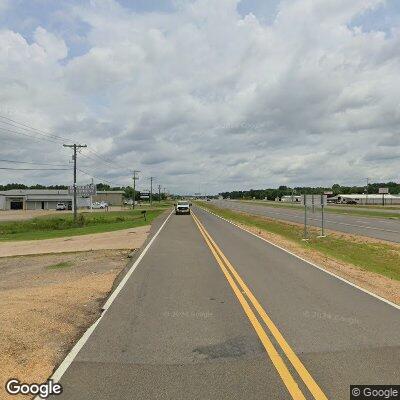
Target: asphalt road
378,228
212,312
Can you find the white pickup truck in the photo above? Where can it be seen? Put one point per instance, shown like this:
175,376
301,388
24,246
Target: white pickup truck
182,207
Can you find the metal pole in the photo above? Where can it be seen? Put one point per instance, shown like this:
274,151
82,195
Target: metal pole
134,187
91,198
75,207
159,193
151,190
322,220
305,217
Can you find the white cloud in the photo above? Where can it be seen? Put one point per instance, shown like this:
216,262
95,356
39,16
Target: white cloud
54,47
238,104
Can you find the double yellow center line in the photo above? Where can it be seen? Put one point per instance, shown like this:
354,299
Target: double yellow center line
235,282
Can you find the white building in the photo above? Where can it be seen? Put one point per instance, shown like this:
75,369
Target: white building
33,199
369,198
291,199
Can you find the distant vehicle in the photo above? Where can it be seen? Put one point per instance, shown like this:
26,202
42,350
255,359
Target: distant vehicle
61,207
99,204
182,207
350,201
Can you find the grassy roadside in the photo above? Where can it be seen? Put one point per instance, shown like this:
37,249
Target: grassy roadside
377,257
365,212
55,226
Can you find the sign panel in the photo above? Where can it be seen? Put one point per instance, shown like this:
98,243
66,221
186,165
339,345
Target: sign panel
314,200
84,190
145,195
383,190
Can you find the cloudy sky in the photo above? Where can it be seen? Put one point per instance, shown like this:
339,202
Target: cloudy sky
205,95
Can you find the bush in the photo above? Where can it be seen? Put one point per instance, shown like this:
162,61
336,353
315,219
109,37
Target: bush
81,220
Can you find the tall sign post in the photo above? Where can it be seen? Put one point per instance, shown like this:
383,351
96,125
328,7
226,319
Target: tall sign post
383,191
135,178
304,201
324,202
311,200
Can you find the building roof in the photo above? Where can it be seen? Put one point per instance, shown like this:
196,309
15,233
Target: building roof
368,196
24,192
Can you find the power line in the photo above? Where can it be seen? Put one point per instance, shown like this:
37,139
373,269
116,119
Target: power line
33,163
52,138
35,169
28,136
98,178
39,131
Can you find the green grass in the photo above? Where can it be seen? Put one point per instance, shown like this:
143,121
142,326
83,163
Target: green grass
376,257
60,265
55,226
364,212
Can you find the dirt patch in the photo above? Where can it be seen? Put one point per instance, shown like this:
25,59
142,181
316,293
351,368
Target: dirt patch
46,303
22,215
132,238
378,284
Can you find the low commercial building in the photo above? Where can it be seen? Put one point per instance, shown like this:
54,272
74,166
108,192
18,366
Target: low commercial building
33,199
291,199
369,199
111,197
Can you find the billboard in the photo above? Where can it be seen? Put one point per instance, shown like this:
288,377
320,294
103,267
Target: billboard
83,190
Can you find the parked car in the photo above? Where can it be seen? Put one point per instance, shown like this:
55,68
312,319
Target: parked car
61,207
99,204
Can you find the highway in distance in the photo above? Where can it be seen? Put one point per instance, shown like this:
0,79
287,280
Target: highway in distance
377,228
213,312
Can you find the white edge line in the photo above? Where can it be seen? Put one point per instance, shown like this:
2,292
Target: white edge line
59,372
306,261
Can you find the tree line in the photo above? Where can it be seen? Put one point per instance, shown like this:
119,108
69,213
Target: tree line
272,194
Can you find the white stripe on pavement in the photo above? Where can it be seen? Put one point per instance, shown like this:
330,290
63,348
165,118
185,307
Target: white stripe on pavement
59,372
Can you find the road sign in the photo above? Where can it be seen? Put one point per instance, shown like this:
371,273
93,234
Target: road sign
145,195
84,190
384,190
314,200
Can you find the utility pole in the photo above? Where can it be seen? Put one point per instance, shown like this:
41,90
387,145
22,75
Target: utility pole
75,146
151,190
134,186
366,191
159,193
91,198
